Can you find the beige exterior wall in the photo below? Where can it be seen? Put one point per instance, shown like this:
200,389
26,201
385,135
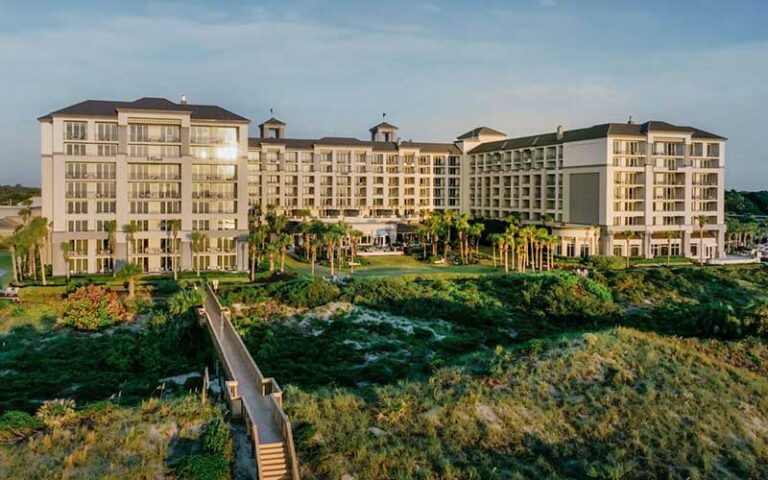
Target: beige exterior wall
654,186
89,180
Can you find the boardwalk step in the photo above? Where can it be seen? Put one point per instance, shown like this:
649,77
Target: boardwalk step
280,461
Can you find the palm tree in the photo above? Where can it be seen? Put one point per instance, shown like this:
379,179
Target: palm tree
344,230
331,239
198,241
628,235
130,230
10,243
461,223
131,271
314,244
669,235
175,226
256,239
283,241
272,250
423,232
39,228
493,238
701,220
354,238
111,228
475,232
446,221
502,242
66,252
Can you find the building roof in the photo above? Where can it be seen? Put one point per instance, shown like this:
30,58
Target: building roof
590,133
475,132
109,108
384,125
309,144
273,121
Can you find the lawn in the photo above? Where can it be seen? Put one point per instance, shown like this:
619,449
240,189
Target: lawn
394,266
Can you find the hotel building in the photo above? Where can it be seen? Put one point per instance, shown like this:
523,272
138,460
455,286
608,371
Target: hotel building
146,162
597,186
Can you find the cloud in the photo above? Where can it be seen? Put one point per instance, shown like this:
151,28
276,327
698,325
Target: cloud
512,70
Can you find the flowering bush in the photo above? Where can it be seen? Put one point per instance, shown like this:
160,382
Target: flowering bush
93,307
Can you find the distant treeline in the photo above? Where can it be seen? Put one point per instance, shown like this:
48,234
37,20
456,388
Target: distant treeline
13,194
746,203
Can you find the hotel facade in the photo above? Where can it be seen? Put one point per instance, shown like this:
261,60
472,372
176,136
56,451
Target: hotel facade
148,162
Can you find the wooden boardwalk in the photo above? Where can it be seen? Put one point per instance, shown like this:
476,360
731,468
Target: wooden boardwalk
252,397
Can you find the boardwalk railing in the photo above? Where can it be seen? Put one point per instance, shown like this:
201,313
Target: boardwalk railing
250,406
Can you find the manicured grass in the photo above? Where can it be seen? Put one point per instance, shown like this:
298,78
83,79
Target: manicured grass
393,266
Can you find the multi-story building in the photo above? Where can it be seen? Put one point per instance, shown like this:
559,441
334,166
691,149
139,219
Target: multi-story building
138,166
602,189
606,188
377,186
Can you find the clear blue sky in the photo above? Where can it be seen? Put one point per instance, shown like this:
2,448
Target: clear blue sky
437,68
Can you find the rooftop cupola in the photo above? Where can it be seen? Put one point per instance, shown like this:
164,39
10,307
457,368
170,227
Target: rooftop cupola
272,128
383,132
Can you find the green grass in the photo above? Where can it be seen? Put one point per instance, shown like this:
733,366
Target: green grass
394,266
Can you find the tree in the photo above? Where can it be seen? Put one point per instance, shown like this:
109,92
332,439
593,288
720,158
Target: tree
475,232
331,238
493,238
272,250
111,228
175,226
702,220
628,236
461,223
130,272
283,241
198,241
314,244
10,243
669,235
66,252
446,222
256,238
39,232
130,230
354,239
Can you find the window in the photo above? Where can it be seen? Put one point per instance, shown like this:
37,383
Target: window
77,226
74,149
106,132
77,207
75,130
109,150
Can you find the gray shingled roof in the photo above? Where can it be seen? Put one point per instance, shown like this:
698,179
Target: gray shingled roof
480,131
382,125
273,121
589,133
108,108
308,144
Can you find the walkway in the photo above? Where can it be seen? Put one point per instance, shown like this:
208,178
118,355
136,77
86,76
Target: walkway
257,399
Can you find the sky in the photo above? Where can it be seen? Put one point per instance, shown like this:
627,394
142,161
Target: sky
437,68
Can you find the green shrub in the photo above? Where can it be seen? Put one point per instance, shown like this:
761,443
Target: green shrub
55,413
204,467
93,307
216,439
183,300
305,292
606,262
15,425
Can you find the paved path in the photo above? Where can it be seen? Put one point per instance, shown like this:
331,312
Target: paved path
242,368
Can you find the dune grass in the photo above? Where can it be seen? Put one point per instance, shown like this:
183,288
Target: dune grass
612,404
105,441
